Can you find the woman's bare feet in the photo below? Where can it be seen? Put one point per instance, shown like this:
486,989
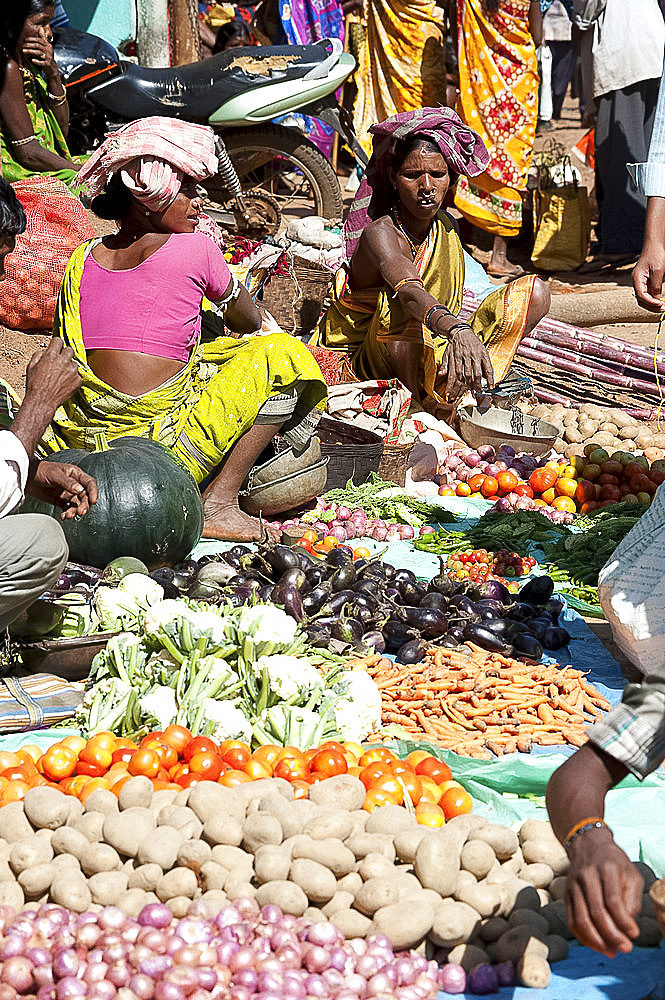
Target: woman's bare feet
499,266
226,522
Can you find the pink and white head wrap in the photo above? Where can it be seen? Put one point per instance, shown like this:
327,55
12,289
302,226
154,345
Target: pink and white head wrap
153,156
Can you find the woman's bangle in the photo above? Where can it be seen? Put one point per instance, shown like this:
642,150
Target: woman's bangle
57,99
430,313
23,142
459,326
584,825
405,281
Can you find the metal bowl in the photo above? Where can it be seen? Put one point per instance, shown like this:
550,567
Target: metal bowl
497,426
70,659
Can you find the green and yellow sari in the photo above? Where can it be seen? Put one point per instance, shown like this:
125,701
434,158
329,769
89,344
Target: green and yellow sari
46,129
226,387
363,322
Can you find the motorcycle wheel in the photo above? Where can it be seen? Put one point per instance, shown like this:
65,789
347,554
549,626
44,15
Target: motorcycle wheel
279,162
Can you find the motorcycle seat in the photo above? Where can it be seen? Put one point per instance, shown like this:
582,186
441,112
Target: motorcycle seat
197,90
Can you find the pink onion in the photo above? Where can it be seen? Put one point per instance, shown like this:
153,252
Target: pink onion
339,533
493,470
343,513
473,460
17,973
405,531
486,451
379,534
393,535
452,979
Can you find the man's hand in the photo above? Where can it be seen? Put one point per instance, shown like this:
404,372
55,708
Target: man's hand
63,486
603,894
648,279
52,376
465,363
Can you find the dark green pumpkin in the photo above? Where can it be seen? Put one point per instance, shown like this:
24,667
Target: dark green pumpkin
148,507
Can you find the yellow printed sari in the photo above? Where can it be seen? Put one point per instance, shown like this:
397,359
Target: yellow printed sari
226,387
363,322
401,62
498,98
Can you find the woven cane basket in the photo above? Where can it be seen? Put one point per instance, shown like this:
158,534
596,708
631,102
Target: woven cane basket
297,299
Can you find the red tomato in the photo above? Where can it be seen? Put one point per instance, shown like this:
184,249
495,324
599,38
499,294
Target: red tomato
455,802
206,765
123,754
372,772
642,484
434,768
374,755
585,492
542,479
164,750
267,755
328,763
524,490
58,762
88,768
607,480
237,757
199,744
303,544
507,480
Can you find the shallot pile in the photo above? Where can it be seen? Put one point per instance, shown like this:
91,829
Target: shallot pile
242,953
344,524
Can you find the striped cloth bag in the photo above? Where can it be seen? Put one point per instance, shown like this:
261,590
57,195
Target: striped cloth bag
36,702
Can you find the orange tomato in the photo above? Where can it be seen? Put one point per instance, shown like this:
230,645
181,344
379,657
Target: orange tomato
92,786
378,797
463,490
122,755
291,768
328,763
310,536
59,762
300,789
429,814
353,748
167,754
320,548
490,487
15,791
118,785
370,774
476,481
567,472
434,768
267,755
413,785
19,773
549,495
431,792
330,542
237,757
355,771
145,762
374,755
75,743
507,480
415,757
564,503
566,487
233,778
303,544
542,479
361,552
399,767
455,802
96,754
9,759
256,770
446,491
289,751
207,765
103,739
178,737
89,769
392,786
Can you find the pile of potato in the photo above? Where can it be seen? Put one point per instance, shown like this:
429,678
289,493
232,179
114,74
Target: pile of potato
608,427
477,889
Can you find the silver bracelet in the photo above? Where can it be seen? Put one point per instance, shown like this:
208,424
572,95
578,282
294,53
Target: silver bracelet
57,99
23,142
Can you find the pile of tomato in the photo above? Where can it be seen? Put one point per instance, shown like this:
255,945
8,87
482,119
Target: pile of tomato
176,759
481,565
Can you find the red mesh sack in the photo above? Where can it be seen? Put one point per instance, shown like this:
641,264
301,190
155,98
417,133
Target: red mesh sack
57,224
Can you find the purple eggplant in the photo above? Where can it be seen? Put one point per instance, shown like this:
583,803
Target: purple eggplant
412,651
486,639
434,600
494,590
537,591
526,643
555,637
336,602
287,593
374,640
429,621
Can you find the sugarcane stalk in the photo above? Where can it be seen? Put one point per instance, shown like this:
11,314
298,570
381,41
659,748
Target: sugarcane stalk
562,352
625,356
591,337
586,371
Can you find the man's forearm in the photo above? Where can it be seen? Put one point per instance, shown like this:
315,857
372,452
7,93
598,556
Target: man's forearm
30,423
654,230
578,788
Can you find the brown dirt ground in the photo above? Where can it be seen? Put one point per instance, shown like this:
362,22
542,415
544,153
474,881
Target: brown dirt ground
17,347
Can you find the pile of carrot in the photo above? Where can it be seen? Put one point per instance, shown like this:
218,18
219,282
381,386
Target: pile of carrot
483,704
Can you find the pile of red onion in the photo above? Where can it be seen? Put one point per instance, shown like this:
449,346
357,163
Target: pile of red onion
242,953
463,463
345,524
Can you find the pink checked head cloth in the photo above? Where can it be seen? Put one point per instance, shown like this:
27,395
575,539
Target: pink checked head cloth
153,155
462,148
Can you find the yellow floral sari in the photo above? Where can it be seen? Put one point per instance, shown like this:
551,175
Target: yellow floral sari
401,62
498,99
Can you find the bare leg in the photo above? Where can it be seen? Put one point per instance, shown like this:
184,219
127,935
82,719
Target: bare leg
405,359
499,266
223,517
540,305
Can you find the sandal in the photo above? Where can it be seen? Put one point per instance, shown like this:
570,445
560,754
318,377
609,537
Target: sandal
516,271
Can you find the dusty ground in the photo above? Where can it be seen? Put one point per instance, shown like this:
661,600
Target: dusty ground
602,302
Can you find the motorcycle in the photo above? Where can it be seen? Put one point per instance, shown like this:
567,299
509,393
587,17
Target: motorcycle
267,173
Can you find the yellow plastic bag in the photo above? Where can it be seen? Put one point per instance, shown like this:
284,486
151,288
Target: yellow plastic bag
562,228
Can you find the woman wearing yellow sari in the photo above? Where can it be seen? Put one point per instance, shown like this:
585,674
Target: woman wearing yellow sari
498,98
